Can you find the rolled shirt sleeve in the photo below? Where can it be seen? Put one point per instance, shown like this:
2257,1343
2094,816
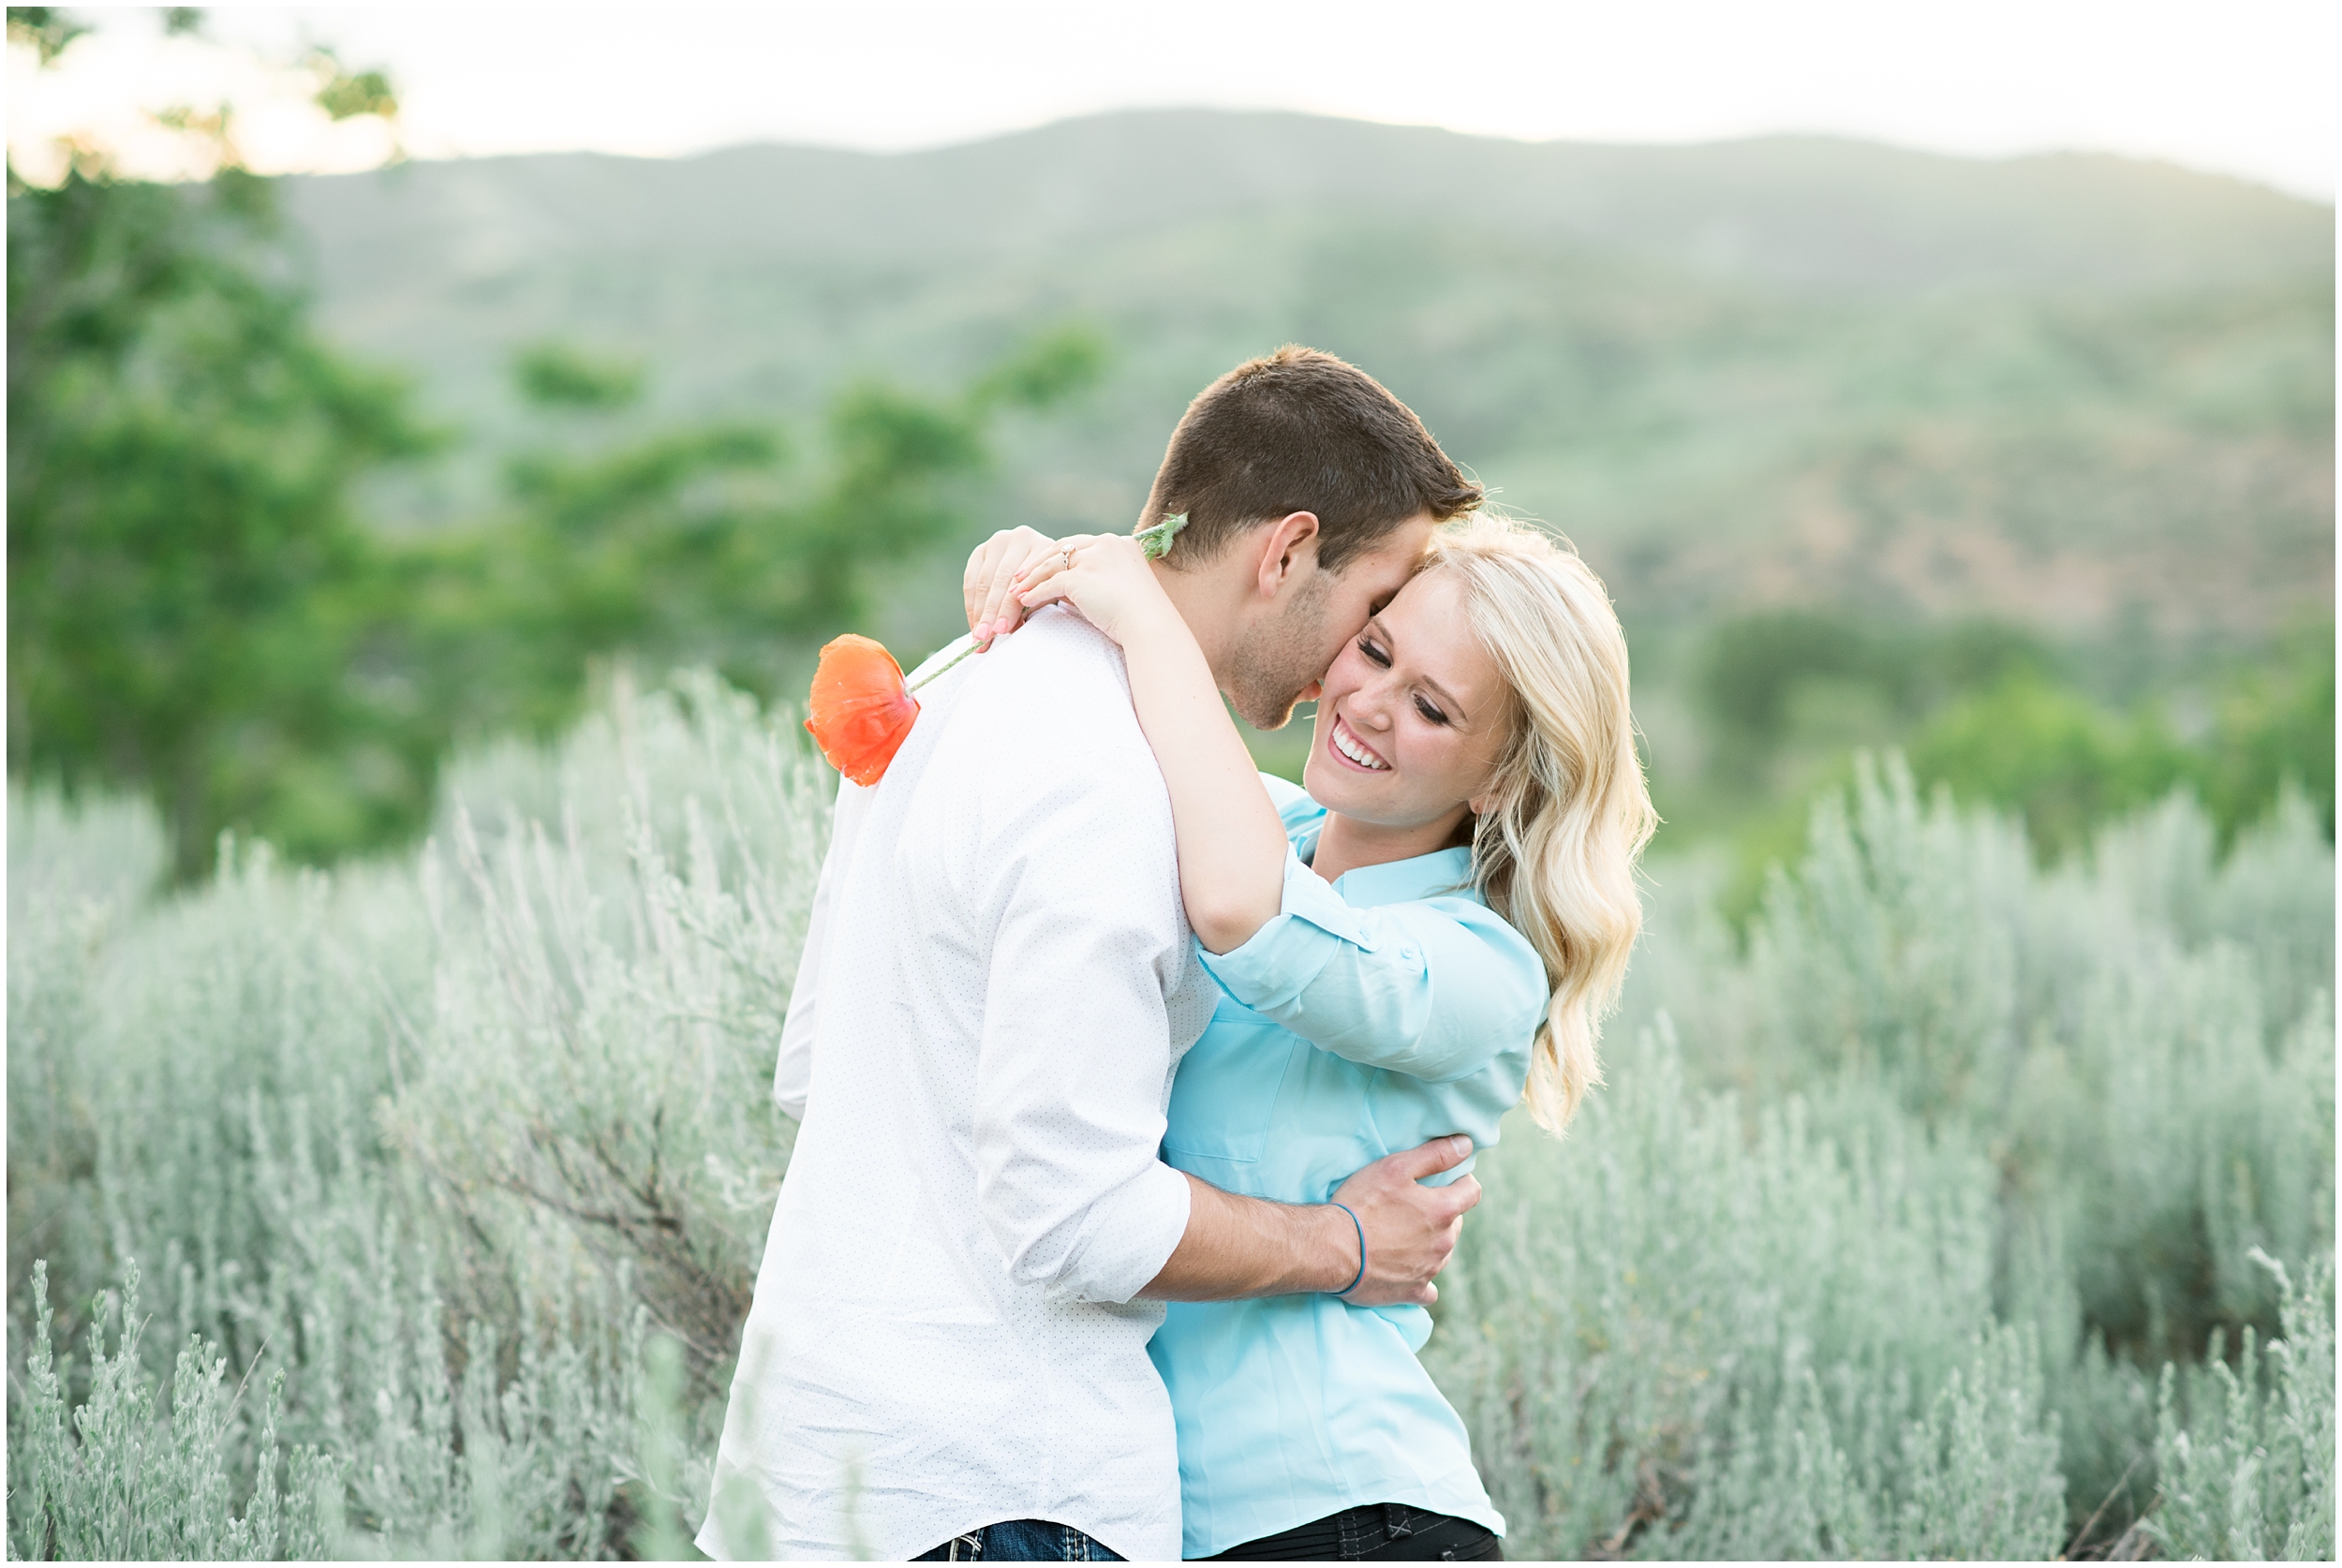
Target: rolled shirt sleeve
1074,1071
1434,988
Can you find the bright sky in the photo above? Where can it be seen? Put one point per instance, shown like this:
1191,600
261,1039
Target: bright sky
2239,86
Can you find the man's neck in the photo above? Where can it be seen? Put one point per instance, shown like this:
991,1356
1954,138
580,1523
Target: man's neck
1211,608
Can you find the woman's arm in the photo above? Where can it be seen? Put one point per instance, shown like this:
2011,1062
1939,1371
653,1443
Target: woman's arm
1435,988
1232,845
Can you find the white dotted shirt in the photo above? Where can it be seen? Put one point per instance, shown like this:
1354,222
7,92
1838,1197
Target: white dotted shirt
997,985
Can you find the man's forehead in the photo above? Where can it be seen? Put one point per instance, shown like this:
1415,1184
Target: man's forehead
1407,552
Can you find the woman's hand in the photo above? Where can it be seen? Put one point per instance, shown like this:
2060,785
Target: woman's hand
989,586
1104,576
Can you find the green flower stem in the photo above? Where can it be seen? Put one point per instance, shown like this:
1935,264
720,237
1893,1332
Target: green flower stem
1155,542
973,647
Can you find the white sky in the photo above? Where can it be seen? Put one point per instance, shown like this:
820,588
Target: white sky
2239,86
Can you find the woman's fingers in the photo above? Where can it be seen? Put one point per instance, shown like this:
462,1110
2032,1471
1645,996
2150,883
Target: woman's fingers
1060,554
978,577
1053,584
1050,566
994,598
988,588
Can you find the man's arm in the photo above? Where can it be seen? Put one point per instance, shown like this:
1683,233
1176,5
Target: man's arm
793,1070
1235,1246
1074,1056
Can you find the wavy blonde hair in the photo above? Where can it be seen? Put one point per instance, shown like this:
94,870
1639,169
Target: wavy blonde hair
1568,812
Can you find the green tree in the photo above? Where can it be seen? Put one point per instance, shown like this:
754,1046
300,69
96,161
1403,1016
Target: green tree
1752,669
181,448
702,544
2051,753
196,608
2276,726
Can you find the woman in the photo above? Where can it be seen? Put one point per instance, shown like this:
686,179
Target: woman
1425,935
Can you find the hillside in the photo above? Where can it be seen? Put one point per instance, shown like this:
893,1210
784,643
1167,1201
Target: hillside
2073,388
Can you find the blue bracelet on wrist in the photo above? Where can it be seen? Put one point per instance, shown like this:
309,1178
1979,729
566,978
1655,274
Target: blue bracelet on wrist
1361,1273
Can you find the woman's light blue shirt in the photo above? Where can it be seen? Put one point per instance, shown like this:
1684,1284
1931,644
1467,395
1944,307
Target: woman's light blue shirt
1366,1018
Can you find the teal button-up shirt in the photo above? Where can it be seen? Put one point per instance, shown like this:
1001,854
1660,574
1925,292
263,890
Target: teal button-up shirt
1368,1017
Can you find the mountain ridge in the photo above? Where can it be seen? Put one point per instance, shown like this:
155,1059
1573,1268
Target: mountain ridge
2066,387
1808,212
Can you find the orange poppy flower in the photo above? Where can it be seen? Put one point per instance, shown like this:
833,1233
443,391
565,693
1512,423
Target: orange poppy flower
861,710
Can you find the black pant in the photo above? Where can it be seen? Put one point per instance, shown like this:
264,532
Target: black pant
1382,1533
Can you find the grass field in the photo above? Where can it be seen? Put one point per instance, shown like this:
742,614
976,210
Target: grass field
1953,1205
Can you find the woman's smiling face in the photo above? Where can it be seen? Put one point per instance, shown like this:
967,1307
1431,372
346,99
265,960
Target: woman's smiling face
1413,715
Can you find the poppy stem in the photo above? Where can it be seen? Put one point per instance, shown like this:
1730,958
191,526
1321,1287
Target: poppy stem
971,647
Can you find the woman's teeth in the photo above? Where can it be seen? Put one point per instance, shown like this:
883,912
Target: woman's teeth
1350,746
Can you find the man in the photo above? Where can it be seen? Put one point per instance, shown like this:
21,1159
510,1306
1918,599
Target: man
946,1354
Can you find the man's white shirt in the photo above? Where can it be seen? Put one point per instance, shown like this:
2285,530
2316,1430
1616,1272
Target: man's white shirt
996,986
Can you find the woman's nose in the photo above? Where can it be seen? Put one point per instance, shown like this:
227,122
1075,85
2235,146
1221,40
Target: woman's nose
1372,710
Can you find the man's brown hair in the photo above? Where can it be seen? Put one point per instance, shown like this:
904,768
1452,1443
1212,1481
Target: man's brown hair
1301,431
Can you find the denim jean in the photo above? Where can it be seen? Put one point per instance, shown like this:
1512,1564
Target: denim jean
1020,1541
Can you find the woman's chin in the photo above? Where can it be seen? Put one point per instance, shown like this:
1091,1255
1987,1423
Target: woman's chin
1324,782
1336,788
1313,776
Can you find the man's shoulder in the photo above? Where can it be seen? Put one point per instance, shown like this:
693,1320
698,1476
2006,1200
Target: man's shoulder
1056,637
1045,712
1055,673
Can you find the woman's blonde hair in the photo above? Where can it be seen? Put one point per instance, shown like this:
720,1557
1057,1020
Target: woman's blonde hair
1567,811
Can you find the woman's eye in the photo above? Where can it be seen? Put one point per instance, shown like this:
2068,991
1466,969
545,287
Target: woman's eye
1424,707
1367,647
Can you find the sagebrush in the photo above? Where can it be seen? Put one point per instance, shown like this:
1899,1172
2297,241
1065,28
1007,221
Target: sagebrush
1956,1206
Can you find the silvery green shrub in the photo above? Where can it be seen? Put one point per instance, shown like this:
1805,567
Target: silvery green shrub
2248,1473
1691,1331
418,1202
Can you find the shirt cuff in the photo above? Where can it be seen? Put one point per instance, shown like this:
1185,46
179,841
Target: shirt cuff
1276,963
1133,1234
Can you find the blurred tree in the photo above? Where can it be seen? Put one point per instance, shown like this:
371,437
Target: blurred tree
691,545
2069,763
2050,753
1747,670
194,606
1754,669
557,375
179,451
48,29
2276,726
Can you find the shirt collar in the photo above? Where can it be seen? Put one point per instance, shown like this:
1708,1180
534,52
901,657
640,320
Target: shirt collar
1443,873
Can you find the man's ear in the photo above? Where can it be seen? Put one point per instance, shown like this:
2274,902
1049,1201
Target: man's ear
1288,552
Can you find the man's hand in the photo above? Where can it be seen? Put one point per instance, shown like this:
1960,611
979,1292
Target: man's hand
1235,1247
1411,1230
